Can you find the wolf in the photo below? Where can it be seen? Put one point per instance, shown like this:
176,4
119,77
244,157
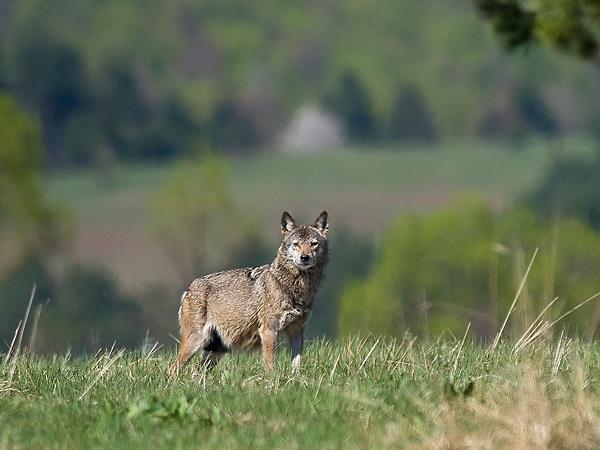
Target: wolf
250,307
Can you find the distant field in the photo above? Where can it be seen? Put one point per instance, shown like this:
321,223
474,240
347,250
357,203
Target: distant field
362,190
352,394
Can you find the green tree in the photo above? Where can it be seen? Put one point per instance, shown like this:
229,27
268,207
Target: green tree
410,118
135,121
351,102
232,127
245,68
48,74
29,224
570,187
89,311
571,26
352,255
31,228
440,271
198,224
519,113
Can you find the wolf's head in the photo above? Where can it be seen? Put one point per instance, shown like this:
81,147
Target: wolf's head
304,245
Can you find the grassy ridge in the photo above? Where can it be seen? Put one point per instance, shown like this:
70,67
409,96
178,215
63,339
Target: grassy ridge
269,178
356,393
363,190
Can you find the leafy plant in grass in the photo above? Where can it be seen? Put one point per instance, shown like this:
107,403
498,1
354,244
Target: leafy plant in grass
177,408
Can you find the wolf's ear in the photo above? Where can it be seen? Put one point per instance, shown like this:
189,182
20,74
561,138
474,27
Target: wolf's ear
288,224
322,223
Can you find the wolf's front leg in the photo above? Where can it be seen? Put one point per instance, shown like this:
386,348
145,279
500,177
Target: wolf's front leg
296,344
268,338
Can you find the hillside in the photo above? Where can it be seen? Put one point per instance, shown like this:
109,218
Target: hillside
362,190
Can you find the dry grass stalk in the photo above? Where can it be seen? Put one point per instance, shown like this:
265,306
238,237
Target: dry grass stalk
15,356
512,306
34,327
104,369
542,416
368,355
575,308
335,364
532,328
562,348
462,343
12,343
540,327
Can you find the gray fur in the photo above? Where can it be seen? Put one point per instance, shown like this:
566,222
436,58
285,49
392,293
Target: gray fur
247,308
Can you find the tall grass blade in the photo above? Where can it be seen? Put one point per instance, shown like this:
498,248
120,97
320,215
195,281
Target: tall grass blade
575,308
368,355
15,356
512,306
462,343
104,369
533,325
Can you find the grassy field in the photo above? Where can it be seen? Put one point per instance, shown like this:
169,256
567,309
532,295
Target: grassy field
359,393
364,191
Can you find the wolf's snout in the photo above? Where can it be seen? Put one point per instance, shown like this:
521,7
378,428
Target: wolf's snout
304,258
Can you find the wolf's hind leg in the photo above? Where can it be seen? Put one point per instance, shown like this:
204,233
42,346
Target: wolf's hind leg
191,343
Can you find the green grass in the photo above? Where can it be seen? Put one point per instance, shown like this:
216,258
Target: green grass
359,393
274,178
362,190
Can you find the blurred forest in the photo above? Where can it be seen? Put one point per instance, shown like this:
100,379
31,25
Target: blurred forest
208,101
145,80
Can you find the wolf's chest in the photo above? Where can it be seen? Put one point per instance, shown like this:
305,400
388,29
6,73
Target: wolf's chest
292,317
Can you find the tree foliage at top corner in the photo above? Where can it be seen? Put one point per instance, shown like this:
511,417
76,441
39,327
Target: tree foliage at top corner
570,26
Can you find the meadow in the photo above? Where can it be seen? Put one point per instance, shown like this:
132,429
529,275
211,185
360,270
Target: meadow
542,391
363,189
355,393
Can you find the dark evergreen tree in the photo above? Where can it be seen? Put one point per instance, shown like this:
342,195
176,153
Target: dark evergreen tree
90,311
410,118
232,127
534,112
48,75
571,188
521,111
349,100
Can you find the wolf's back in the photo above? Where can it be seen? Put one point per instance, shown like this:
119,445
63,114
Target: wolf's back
230,301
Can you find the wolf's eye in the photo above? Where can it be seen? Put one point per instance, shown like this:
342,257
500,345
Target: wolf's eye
314,244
